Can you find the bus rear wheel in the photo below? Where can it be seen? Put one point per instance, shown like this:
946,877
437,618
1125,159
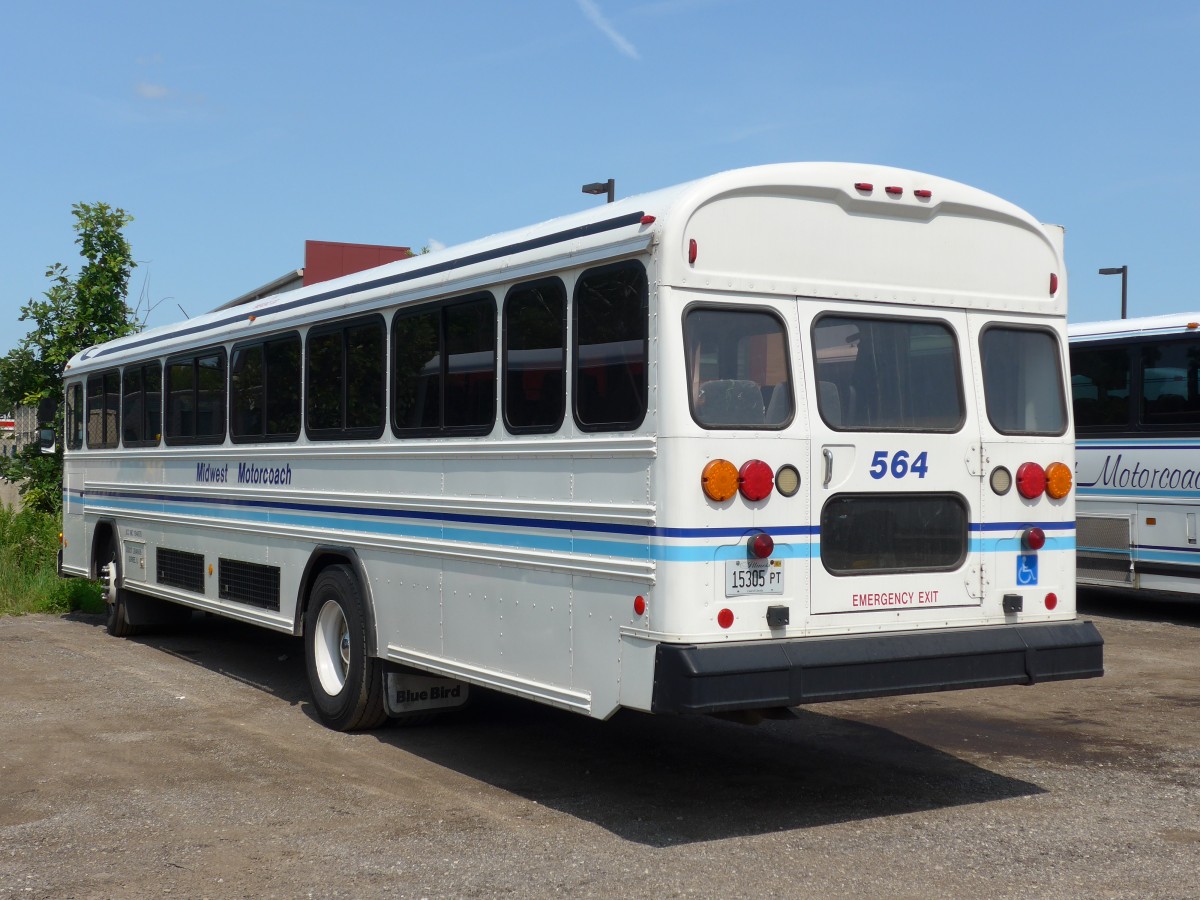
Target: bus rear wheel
345,680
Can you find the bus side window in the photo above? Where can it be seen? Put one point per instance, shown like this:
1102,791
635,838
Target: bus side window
535,356
610,333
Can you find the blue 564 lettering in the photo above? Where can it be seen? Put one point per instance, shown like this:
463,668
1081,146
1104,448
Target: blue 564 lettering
899,464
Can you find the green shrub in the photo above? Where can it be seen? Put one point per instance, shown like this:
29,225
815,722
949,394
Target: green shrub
29,561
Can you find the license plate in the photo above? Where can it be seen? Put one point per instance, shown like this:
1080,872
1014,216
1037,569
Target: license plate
753,576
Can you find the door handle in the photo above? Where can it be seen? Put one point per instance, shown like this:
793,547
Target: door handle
828,454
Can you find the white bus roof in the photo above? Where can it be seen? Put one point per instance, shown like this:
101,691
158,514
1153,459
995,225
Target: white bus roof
845,245
1145,326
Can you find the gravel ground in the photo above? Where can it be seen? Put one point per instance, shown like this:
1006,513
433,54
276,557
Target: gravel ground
189,764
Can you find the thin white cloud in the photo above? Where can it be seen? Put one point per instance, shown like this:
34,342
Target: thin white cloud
148,91
592,11
434,244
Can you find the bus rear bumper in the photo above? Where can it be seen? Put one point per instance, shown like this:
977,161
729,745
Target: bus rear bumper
711,678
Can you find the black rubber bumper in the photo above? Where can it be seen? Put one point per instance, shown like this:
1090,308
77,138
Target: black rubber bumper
709,678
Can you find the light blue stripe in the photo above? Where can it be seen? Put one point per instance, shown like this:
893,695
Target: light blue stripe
1183,557
551,543
1085,493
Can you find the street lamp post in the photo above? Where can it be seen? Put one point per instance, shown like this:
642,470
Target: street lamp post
1123,271
602,187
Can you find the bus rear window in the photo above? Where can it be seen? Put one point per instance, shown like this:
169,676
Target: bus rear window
887,374
866,533
737,368
1022,381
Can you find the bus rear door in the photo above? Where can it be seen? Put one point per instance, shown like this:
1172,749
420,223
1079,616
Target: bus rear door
892,494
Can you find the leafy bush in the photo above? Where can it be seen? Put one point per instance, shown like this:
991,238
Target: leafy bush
29,561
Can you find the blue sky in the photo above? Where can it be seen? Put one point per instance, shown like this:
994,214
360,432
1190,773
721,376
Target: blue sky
233,132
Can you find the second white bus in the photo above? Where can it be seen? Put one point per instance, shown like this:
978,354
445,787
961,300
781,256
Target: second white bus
1135,386
780,435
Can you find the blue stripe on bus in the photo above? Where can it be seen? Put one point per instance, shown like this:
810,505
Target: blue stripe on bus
381,521
1156,444
511,521
1145,492
505,521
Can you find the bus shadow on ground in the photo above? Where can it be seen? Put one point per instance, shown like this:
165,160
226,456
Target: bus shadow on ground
665,781
657,781
1176,609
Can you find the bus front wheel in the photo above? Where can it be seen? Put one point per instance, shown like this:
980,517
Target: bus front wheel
345,680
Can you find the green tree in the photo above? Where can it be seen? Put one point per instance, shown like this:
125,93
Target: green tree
72,315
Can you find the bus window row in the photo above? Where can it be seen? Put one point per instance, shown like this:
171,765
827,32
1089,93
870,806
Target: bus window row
872,373
443,374
1128,387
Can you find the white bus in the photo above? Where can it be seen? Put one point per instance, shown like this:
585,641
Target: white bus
780,435
1135,387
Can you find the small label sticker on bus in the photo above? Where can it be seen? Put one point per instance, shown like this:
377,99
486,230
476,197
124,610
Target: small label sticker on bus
753,576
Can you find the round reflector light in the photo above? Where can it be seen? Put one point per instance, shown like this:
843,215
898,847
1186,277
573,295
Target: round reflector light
787,480
1031,480
725,618
719,480
1001,480
760,545
1034,538
1051,600
639,605
1058,480
755,480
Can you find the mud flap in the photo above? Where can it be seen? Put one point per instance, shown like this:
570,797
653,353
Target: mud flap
408,692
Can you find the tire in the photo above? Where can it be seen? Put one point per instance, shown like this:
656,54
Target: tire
345,680
115,598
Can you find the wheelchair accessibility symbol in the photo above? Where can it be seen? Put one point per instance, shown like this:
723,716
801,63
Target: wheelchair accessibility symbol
1026,570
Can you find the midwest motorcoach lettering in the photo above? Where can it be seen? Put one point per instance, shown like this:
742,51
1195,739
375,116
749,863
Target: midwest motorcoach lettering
247,473
1113,473
207,473
252,474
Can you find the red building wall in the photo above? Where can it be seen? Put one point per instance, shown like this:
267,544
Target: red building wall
324,260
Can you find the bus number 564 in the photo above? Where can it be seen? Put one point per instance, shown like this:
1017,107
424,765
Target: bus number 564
899,465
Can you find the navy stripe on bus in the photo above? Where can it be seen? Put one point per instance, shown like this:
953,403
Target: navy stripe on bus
1140,445
1010,526
549,524
1170,549
447,266
555,524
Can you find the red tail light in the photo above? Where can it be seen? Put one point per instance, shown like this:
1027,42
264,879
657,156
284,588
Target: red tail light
760,545
755,480
1031,480
1033,538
